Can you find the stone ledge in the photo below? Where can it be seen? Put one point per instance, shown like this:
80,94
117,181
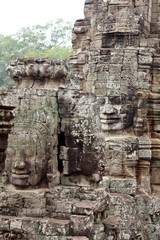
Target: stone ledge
44,226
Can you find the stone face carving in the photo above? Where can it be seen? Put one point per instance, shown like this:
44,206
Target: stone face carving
83,144
27,157
117,69
30,155
117,112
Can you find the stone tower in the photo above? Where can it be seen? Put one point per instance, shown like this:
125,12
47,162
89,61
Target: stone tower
83,156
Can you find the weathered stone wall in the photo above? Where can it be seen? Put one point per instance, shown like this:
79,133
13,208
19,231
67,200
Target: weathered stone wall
98,114
55,140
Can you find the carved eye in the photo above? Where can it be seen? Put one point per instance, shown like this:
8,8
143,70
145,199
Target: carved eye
29,152
10,152
114,100
124,98
102,101
126,108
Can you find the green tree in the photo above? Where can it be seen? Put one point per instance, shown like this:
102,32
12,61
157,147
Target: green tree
56,52
52,40
44,36
8,51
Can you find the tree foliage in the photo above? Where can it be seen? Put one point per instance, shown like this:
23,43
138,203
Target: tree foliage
52,40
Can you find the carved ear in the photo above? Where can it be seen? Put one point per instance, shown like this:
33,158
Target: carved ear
143,94
141,97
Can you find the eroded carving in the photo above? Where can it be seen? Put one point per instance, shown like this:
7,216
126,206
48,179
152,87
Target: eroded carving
117,112
32,146
37,72
108,132
27,157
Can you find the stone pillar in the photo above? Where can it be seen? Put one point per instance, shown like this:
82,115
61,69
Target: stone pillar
158,20
154,16
143,167
155,166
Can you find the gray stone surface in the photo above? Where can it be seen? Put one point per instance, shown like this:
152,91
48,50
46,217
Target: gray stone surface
93,169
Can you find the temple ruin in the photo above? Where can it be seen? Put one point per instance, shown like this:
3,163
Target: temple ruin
80,139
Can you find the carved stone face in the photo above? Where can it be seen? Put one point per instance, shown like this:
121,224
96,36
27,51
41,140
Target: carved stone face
26,160
116,113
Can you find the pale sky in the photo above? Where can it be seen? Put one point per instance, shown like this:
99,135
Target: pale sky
16,14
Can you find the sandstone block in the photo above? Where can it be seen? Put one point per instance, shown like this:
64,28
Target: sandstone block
127,186
55,227
82,225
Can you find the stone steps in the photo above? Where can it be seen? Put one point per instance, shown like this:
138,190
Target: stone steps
45,227
63,209
85,207
67,238
48,228
62,212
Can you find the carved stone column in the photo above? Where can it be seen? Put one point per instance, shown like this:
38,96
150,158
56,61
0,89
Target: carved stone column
6,116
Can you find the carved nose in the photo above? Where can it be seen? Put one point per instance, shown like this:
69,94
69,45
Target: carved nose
19,163
109,109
